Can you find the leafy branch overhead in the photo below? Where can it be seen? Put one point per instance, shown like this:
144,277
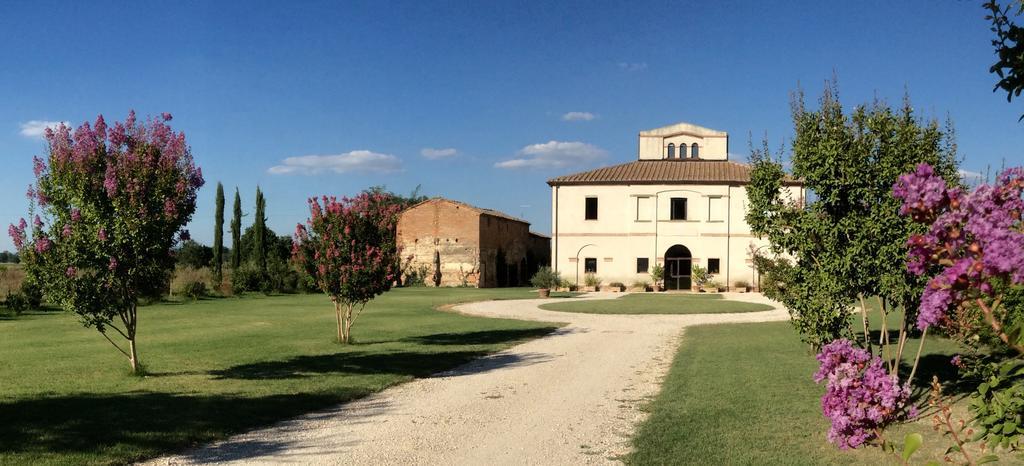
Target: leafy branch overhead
1009,47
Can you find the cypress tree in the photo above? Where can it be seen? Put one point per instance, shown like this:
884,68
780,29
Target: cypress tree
218,236
260,228
236,232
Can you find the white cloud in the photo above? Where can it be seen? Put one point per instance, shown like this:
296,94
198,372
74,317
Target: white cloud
633,66
355,161
37,128
434,154
578,116
971,177
554,154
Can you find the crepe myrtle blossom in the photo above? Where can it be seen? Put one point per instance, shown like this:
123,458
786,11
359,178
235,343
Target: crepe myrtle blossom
861,397
115,199
974,239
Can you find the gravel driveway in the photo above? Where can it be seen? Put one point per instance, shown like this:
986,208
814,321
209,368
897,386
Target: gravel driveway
570,398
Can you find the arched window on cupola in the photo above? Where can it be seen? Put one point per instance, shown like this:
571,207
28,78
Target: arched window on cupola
671,151
694,151
682,150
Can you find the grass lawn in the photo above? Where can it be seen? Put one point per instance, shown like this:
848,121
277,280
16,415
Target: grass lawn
743,394
221,366
658,303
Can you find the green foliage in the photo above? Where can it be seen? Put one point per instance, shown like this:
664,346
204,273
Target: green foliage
218,235
193,254
7,257
248,277
850,239
591,279
998,404
699,275
194,289
657,273
1009,45
236,232
16,303
259,227
644,284
32,290
546,278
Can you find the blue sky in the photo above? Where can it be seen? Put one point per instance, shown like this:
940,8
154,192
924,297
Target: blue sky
371,85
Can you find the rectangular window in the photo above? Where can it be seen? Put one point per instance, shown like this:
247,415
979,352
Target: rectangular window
644,208
590,265
678,206
713,266
641,265
716,209
591,213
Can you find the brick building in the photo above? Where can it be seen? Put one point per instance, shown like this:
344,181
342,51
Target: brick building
468,245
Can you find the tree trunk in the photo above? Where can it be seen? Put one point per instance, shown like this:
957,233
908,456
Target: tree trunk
337,314
133,359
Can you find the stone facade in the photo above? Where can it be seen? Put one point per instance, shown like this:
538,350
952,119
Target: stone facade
468,246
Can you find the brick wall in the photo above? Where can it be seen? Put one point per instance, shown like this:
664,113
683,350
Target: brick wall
450,229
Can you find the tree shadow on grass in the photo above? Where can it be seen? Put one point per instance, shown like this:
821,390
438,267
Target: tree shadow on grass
135,426
486,337
403,363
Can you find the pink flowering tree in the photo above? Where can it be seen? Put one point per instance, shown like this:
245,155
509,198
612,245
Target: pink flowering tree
972,255
110,203
348,247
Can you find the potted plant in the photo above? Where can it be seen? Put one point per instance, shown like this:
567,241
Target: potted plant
545,279
616,287
657,273
741,286
712,286
591,282
700,277
640,285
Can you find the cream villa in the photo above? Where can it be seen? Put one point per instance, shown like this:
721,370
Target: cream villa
681,203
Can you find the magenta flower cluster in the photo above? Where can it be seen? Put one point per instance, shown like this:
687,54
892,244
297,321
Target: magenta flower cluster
973,238
348,246
861,397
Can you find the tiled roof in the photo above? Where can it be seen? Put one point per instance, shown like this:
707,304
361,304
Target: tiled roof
481,210
682,171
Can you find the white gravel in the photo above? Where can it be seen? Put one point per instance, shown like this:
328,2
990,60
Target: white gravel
570,398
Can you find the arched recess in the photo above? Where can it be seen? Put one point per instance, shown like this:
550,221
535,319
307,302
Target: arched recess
678,261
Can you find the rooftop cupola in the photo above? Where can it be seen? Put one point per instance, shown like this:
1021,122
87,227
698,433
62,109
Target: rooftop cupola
683,141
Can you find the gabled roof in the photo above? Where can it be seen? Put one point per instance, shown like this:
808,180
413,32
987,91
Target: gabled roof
678,171
480,210
686,128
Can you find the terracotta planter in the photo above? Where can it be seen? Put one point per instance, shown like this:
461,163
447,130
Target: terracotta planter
588,289
544,292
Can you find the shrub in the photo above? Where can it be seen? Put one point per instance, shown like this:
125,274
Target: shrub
416,276
657,273
248,277
591,280
741,284
32,292
713,284
641,284
618,285
194,290
546,278
16,302
700,275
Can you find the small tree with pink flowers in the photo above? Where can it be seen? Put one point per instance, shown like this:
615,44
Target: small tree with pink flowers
109,205
348,247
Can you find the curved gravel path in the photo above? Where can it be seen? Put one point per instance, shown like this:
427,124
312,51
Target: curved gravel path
570,398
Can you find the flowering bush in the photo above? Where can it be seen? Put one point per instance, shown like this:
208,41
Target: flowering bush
974,251
974,245
348,247
111,203
861,397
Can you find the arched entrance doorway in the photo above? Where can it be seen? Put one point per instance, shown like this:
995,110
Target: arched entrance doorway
677,268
